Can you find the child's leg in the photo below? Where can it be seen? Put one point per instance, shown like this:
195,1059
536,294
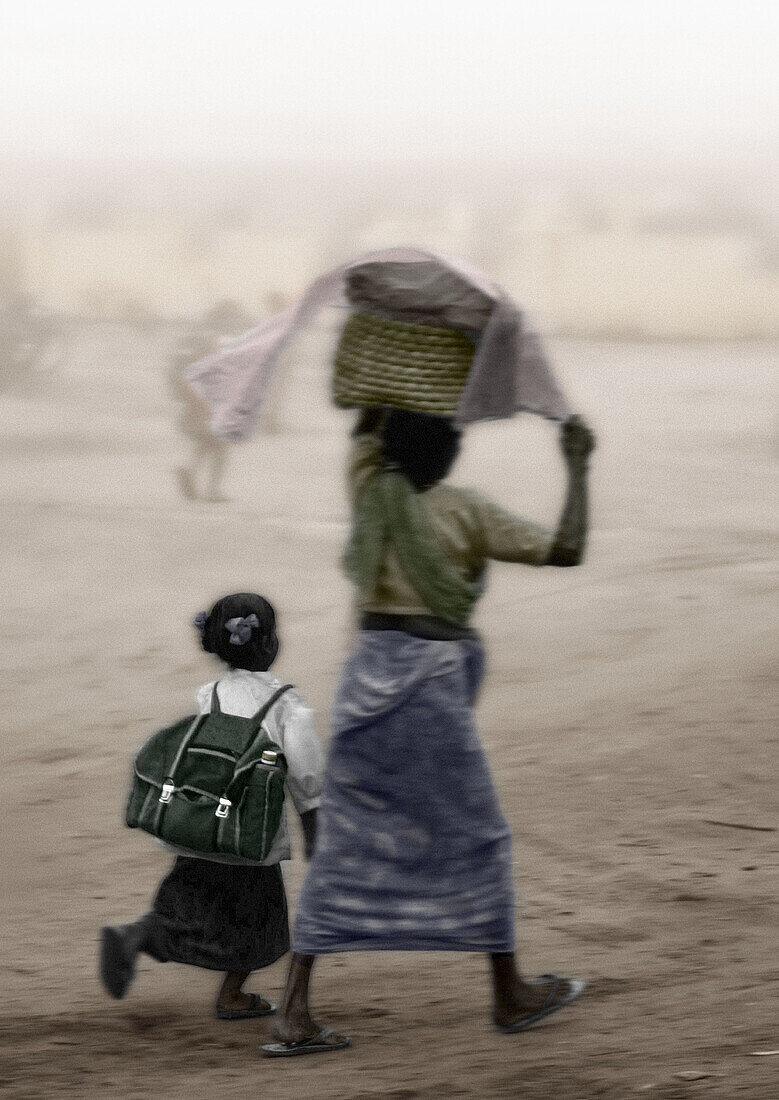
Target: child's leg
232,998
119,948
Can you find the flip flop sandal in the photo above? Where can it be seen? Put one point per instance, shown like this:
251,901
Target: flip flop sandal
318,1044
548,1007
250,1013
117,963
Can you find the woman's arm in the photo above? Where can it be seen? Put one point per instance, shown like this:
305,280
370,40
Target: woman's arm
577,442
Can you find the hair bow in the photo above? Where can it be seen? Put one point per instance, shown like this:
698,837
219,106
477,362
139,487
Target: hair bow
241,629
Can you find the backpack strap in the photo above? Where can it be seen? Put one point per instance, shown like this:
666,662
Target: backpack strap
215,708
245,763
259,718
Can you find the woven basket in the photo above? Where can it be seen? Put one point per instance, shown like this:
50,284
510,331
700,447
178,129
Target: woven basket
407,366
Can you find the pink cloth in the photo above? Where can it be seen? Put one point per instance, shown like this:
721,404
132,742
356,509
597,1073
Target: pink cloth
510,371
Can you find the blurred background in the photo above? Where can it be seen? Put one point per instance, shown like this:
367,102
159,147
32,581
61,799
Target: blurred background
173,173
614,166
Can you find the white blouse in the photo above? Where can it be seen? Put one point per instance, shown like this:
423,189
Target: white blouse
290,724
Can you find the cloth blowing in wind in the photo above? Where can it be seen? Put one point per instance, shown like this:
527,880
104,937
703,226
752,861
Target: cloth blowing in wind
509,373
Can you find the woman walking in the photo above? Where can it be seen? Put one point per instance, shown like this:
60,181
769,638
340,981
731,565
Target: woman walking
413,852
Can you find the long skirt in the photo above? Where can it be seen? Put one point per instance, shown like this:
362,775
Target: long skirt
413,852
219,916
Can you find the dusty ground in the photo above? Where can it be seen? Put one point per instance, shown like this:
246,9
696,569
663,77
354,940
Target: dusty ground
630,711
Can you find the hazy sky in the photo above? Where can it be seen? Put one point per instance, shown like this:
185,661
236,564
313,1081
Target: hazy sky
421,79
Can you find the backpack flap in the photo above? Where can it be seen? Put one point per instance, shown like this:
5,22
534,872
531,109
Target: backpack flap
212,783
203,767
152,767
227,734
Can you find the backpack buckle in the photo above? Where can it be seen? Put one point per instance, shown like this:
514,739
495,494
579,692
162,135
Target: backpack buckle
223,809
167,791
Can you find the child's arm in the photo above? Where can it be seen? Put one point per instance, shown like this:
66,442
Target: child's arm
308,821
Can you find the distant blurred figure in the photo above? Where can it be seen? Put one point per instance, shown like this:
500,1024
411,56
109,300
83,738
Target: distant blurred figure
30,346
200,478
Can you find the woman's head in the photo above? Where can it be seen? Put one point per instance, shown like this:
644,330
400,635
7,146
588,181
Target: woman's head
421,446
241,629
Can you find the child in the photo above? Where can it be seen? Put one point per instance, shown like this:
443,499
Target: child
222,915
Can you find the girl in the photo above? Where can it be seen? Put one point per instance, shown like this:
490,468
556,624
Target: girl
414,852
220,915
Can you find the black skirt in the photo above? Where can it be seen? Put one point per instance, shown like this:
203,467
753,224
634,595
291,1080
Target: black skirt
219,916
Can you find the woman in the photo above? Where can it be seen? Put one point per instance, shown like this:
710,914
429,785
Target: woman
412,849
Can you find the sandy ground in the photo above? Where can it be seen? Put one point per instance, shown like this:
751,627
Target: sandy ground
630,711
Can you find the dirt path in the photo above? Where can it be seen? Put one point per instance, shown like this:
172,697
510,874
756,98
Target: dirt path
630,713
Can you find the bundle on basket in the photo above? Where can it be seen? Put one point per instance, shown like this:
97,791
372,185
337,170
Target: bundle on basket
211,784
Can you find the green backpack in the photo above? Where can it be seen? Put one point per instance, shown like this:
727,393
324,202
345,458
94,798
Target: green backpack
212,784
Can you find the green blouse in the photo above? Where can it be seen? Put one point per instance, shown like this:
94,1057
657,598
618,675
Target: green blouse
460,528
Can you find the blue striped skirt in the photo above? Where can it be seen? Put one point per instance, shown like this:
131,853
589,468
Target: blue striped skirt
413,852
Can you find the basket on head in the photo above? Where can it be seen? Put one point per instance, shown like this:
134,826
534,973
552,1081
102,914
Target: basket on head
412,340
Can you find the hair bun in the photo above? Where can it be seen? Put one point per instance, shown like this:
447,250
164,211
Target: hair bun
241,630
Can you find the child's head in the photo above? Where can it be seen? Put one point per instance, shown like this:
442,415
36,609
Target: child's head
241,629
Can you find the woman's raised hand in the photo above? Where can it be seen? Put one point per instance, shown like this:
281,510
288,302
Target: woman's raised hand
576,439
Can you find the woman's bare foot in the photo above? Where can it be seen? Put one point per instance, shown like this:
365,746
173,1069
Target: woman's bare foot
294,1027
518,1003
295,1031
293,1023
544,995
